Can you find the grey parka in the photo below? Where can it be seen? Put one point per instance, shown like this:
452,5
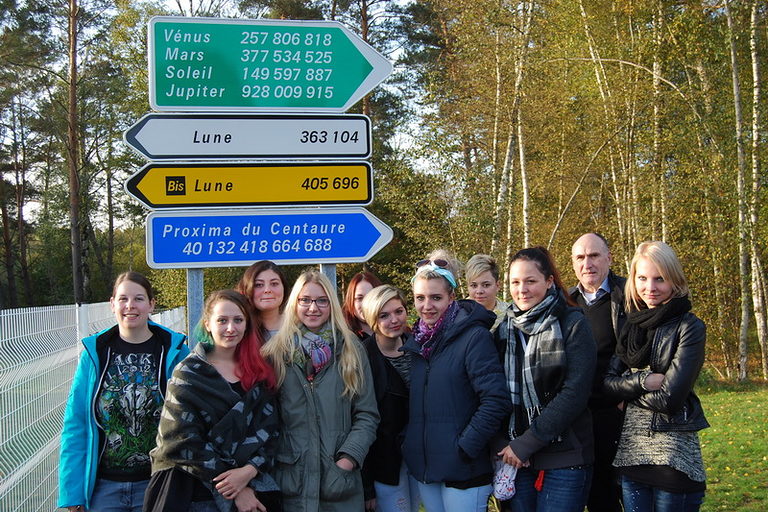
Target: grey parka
318,425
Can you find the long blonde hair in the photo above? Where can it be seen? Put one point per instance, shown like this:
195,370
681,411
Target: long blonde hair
279,349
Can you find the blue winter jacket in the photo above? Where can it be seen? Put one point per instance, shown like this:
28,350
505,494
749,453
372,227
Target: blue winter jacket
458,400
80,440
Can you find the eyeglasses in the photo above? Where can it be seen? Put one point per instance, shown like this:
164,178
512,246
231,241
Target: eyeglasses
438,263
320,302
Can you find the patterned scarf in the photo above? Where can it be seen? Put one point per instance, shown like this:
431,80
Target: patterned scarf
314,351
540,365
426,336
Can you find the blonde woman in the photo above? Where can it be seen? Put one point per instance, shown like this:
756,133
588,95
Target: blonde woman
482,274
326,401
388,486
658,357
458,397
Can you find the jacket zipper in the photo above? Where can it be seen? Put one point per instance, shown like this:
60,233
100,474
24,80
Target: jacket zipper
95,397
424,430
160,365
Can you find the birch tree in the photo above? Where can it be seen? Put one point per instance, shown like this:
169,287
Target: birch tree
744,266
758,276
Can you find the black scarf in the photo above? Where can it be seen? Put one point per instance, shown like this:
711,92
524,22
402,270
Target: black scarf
634,345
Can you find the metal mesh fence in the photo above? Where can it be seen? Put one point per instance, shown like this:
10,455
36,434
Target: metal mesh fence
39,348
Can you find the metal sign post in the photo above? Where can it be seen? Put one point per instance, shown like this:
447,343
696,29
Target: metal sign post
195,299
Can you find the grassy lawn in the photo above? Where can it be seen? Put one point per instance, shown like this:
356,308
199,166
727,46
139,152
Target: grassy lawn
735,447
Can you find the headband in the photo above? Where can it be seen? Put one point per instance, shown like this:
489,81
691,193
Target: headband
447,274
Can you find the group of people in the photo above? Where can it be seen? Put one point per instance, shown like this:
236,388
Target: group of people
291,400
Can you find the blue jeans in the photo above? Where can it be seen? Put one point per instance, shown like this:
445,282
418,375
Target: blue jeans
644,498
564,490
439,498
403,497
111,496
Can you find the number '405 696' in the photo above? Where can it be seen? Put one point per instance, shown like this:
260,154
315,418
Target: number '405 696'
337,183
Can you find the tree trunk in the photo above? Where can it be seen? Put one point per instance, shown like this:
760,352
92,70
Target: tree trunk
9,260
758,290
742,208
503,192
73,160
523,178
711,163
621,203
110,226
658,170
364,21
510,226
20,167
526,18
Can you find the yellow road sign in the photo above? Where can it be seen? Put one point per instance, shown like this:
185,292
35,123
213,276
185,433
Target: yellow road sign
183,185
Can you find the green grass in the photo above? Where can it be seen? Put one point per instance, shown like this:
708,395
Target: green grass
735,447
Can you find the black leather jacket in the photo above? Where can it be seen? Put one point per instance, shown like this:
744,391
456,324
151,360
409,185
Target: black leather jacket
678,353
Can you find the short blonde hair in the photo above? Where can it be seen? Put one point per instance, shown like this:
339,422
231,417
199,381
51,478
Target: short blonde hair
279,349
453,266
666,262
376,299
480,264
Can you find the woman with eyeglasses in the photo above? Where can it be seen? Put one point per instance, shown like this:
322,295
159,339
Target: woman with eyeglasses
326,402
549,357
265,285
359,286
658,357
458,399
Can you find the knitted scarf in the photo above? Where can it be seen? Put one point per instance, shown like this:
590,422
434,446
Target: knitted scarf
535,374
636,339
426,336
314,351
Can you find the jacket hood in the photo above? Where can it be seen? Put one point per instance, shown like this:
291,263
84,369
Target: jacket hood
169,337
470,313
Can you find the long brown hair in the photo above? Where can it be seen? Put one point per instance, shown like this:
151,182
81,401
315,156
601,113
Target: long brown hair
348,308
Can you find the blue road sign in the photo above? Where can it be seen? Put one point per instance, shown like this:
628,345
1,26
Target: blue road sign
200,238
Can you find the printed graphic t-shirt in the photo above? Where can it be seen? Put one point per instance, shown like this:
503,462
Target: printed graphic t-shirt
128,409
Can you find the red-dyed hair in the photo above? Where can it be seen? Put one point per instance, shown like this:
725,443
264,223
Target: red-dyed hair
348,308
252,368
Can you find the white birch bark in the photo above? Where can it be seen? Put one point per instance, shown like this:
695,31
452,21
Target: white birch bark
758,289
744,272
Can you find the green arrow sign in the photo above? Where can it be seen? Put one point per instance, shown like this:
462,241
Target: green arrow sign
259,65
